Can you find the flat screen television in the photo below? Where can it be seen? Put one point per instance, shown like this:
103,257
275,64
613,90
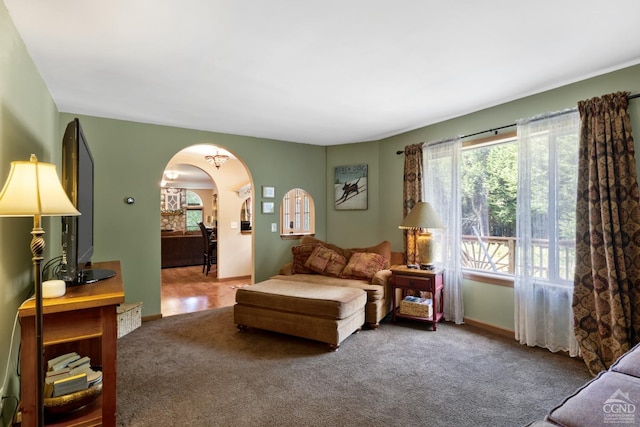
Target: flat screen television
77,231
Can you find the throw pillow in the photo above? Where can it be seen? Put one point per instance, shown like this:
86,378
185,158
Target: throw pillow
301,254
326,261
363,265
312,240
383,248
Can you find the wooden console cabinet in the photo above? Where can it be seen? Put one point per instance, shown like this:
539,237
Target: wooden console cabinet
83,320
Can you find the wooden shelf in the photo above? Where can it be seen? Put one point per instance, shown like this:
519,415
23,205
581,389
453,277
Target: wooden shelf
83,320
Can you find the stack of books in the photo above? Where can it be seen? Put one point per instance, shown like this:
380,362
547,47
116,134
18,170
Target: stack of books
69,373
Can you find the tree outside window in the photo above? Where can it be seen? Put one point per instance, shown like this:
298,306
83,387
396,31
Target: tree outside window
193,211
489,181
489,187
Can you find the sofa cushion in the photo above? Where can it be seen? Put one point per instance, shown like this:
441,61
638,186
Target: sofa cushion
331,302
629,363
326,261
301,254
374,292
383,248
309,240
605,400
363,265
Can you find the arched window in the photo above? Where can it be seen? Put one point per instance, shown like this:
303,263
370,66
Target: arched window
297,214
193,211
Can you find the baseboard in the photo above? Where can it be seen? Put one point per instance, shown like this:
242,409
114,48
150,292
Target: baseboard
152,317
248,278
489,327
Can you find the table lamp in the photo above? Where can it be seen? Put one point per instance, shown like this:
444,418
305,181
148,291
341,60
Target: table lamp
422,217
34,189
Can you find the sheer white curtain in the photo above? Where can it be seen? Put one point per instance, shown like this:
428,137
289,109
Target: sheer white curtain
545,236
442,190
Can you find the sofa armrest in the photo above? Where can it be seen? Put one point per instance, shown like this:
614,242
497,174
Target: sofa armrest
286,269
381,278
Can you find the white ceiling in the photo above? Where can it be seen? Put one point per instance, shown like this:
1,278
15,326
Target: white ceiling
319,72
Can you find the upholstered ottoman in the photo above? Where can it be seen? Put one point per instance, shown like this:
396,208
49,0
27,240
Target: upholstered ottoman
319,312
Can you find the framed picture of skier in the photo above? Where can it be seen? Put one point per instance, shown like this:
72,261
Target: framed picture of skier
350,187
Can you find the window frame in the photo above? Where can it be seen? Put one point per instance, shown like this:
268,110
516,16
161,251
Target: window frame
302,218
192,208
499,279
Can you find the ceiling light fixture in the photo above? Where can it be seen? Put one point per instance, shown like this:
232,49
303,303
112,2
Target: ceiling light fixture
217,160
171,175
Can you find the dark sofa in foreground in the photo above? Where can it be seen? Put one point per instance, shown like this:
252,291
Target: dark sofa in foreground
611,398
181,249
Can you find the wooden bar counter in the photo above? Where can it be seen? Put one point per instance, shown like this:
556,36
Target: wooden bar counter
83,320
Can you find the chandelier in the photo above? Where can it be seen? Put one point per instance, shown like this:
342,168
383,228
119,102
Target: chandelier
217,160
171,175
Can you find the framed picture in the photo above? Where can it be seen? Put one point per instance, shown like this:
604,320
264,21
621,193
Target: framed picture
268,192
267,207
350,187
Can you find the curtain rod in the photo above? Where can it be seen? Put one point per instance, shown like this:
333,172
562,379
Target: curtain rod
630,97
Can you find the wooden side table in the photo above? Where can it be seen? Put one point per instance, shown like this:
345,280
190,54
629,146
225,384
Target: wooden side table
411,279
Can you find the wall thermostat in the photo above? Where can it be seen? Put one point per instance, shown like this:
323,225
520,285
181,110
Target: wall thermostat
129,200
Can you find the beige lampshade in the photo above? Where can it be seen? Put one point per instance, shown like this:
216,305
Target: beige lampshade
33,188
422,216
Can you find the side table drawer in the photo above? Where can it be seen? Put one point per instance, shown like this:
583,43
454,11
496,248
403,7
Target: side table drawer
411,281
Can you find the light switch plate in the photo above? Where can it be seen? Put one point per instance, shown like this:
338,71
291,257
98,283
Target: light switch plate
274,227
234,224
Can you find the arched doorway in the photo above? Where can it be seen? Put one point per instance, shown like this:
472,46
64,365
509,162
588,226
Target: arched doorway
194,188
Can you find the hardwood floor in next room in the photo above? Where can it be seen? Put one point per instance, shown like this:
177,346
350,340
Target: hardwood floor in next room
187,289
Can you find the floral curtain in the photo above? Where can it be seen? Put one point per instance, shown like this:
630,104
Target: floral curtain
606,299
545,231
442,189
412,194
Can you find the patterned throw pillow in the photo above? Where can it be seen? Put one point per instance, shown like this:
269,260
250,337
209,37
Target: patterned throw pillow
301,254
363,265
382,248
326,261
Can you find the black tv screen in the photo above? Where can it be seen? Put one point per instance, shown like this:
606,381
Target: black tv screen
77,179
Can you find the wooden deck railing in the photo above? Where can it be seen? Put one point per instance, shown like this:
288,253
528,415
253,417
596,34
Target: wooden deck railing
497,255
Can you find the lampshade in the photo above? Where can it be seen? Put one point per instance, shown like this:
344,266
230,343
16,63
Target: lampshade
422,216
33,188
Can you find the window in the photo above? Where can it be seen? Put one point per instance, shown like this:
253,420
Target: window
297,213
489,180
193,211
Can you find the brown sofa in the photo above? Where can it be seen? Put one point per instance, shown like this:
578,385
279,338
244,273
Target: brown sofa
181,249
377,286
325,294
